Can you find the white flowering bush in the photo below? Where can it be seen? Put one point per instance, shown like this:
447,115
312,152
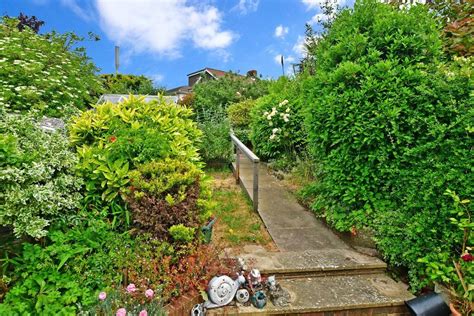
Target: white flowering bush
277,124
37,176
42,74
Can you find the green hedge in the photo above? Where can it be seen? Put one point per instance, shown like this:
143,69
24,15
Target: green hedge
390,127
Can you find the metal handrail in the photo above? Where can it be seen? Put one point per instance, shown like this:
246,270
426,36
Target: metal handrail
240,147
244,149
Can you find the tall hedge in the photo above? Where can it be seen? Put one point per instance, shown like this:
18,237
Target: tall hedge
390,126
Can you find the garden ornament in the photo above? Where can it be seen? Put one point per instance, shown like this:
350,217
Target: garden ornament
222,289
254,279
279,296
259,299
242,296
197,310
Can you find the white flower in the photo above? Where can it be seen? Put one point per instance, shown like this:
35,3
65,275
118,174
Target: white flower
16,62
269,117
270,123
287,110
284,102
272,136
265,113
275,130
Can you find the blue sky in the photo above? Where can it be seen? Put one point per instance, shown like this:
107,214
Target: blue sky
167,39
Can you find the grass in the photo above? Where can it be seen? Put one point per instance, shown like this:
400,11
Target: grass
237,224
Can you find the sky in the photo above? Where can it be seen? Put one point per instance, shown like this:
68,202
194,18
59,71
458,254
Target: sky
168,39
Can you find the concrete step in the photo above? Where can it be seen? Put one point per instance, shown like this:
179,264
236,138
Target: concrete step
312,263
369,294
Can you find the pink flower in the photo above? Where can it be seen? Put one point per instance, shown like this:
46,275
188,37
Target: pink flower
102,296
149,293
131,288
121,312
143,313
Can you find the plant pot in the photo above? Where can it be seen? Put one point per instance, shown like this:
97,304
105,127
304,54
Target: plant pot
207,231
428,305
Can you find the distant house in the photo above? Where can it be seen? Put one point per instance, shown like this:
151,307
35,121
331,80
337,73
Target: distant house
204,74
196,77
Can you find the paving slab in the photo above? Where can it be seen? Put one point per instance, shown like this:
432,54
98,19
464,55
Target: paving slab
333,293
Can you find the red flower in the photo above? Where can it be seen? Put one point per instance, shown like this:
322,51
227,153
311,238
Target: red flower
467,257
112,139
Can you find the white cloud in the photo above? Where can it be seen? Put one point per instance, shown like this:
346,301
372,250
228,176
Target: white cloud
247,6
281,31
85,12
163,27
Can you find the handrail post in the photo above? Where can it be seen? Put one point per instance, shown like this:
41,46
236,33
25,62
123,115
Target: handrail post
237,165
255,186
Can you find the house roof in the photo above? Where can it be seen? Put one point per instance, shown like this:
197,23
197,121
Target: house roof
216,73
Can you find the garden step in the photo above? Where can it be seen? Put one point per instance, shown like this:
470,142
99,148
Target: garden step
313,263
369,294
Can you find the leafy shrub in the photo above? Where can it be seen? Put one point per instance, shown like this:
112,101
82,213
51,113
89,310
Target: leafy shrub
113,139
181,233
277,121
389,127
215,95
454,268
66,273
43,73
239,117
129,84
39,185
163,194
215,144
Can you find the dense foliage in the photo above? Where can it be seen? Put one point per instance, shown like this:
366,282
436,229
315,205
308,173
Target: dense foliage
44,74
240,119
129,84
215,144
217,95
389,126
277,121
455,268
64,276
210,100
37,172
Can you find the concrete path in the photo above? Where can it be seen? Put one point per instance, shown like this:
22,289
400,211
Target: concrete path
324,275
292,227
